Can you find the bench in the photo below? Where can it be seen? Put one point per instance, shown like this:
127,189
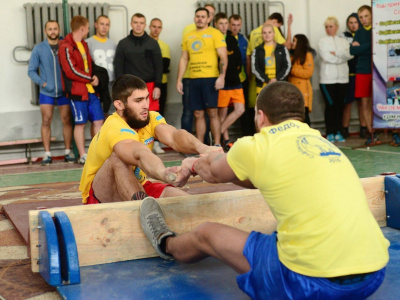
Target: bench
28,152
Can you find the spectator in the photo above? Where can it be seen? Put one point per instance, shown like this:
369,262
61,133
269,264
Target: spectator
334,78
140,55
78,82
207,75
353,25
44,59
155,30
235,25
232,93
187,113
102,50
302,70
362,49
270,61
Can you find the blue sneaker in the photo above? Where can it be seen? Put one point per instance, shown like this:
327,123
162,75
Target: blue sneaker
68,158
339,137
46,160
373,139
331,137
396,140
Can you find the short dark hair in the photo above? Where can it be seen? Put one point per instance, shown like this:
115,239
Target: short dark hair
51,21
210,5
365,7
202,9
219,16
125,85
155,19
276,16
281,101
235,17
101,16
77,22
138,15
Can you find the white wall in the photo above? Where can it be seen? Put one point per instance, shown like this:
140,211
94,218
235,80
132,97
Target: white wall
19,119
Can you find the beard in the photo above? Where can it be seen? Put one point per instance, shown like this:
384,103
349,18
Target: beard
53,39
133,120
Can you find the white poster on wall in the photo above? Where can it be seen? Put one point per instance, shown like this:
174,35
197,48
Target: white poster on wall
386,63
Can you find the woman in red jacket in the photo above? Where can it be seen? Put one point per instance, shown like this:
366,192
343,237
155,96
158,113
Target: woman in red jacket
302,70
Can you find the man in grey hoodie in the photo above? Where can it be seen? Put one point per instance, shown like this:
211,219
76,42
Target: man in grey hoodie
44,58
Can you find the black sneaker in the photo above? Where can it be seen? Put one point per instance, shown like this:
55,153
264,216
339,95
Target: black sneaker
396,140
68,158
47,160
363,132
373,139
154,226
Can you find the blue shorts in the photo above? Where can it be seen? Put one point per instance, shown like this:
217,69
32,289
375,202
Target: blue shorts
44,99
270,279
91,110
202,93
351,88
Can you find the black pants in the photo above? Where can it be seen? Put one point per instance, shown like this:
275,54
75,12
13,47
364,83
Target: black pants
163,98
334,95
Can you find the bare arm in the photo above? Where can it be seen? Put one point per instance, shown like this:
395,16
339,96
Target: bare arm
183,62
223,64
248,65
181,140
288,43
136,154
214,168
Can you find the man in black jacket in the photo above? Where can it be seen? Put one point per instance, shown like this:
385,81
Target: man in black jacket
232,93
138,54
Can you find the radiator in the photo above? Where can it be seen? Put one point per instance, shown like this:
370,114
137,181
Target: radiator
37,14
253,12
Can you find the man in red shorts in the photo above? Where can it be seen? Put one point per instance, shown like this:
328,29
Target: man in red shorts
120,154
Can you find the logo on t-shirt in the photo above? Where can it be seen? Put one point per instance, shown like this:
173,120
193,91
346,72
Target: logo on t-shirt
315,146
197,45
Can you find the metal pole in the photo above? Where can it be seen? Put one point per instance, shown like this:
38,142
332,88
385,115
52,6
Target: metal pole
66,17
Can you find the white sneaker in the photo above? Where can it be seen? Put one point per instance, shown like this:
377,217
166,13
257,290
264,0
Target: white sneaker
82,160
157,149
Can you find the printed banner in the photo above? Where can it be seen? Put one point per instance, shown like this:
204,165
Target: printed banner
386,60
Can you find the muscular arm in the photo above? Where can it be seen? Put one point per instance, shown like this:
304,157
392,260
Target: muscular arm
214,168
223,64
183,62
181,140
136,154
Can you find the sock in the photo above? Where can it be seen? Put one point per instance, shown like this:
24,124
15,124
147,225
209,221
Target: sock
163,245
139,195
67,151
47,153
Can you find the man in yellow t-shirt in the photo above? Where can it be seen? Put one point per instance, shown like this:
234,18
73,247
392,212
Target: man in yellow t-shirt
120,154
187,113
200,52
327,245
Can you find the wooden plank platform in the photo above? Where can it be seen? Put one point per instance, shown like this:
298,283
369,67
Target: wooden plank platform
111,232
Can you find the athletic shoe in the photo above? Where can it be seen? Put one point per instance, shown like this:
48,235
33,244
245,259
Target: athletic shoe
46,160
157,149
339,137
373,139
331,137
345,132
82,160
68,158
228,146
396,140
153,225
363,132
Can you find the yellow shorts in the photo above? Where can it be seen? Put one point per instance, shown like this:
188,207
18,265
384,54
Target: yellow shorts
226,97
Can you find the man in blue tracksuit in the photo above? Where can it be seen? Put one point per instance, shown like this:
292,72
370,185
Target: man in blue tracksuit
44,57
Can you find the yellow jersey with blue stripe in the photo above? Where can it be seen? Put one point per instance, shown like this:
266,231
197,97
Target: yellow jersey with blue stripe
325,227
114,130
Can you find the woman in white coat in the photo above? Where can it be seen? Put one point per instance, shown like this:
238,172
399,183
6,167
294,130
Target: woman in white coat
334,77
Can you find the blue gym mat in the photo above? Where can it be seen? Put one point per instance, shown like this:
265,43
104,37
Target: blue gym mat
155,278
